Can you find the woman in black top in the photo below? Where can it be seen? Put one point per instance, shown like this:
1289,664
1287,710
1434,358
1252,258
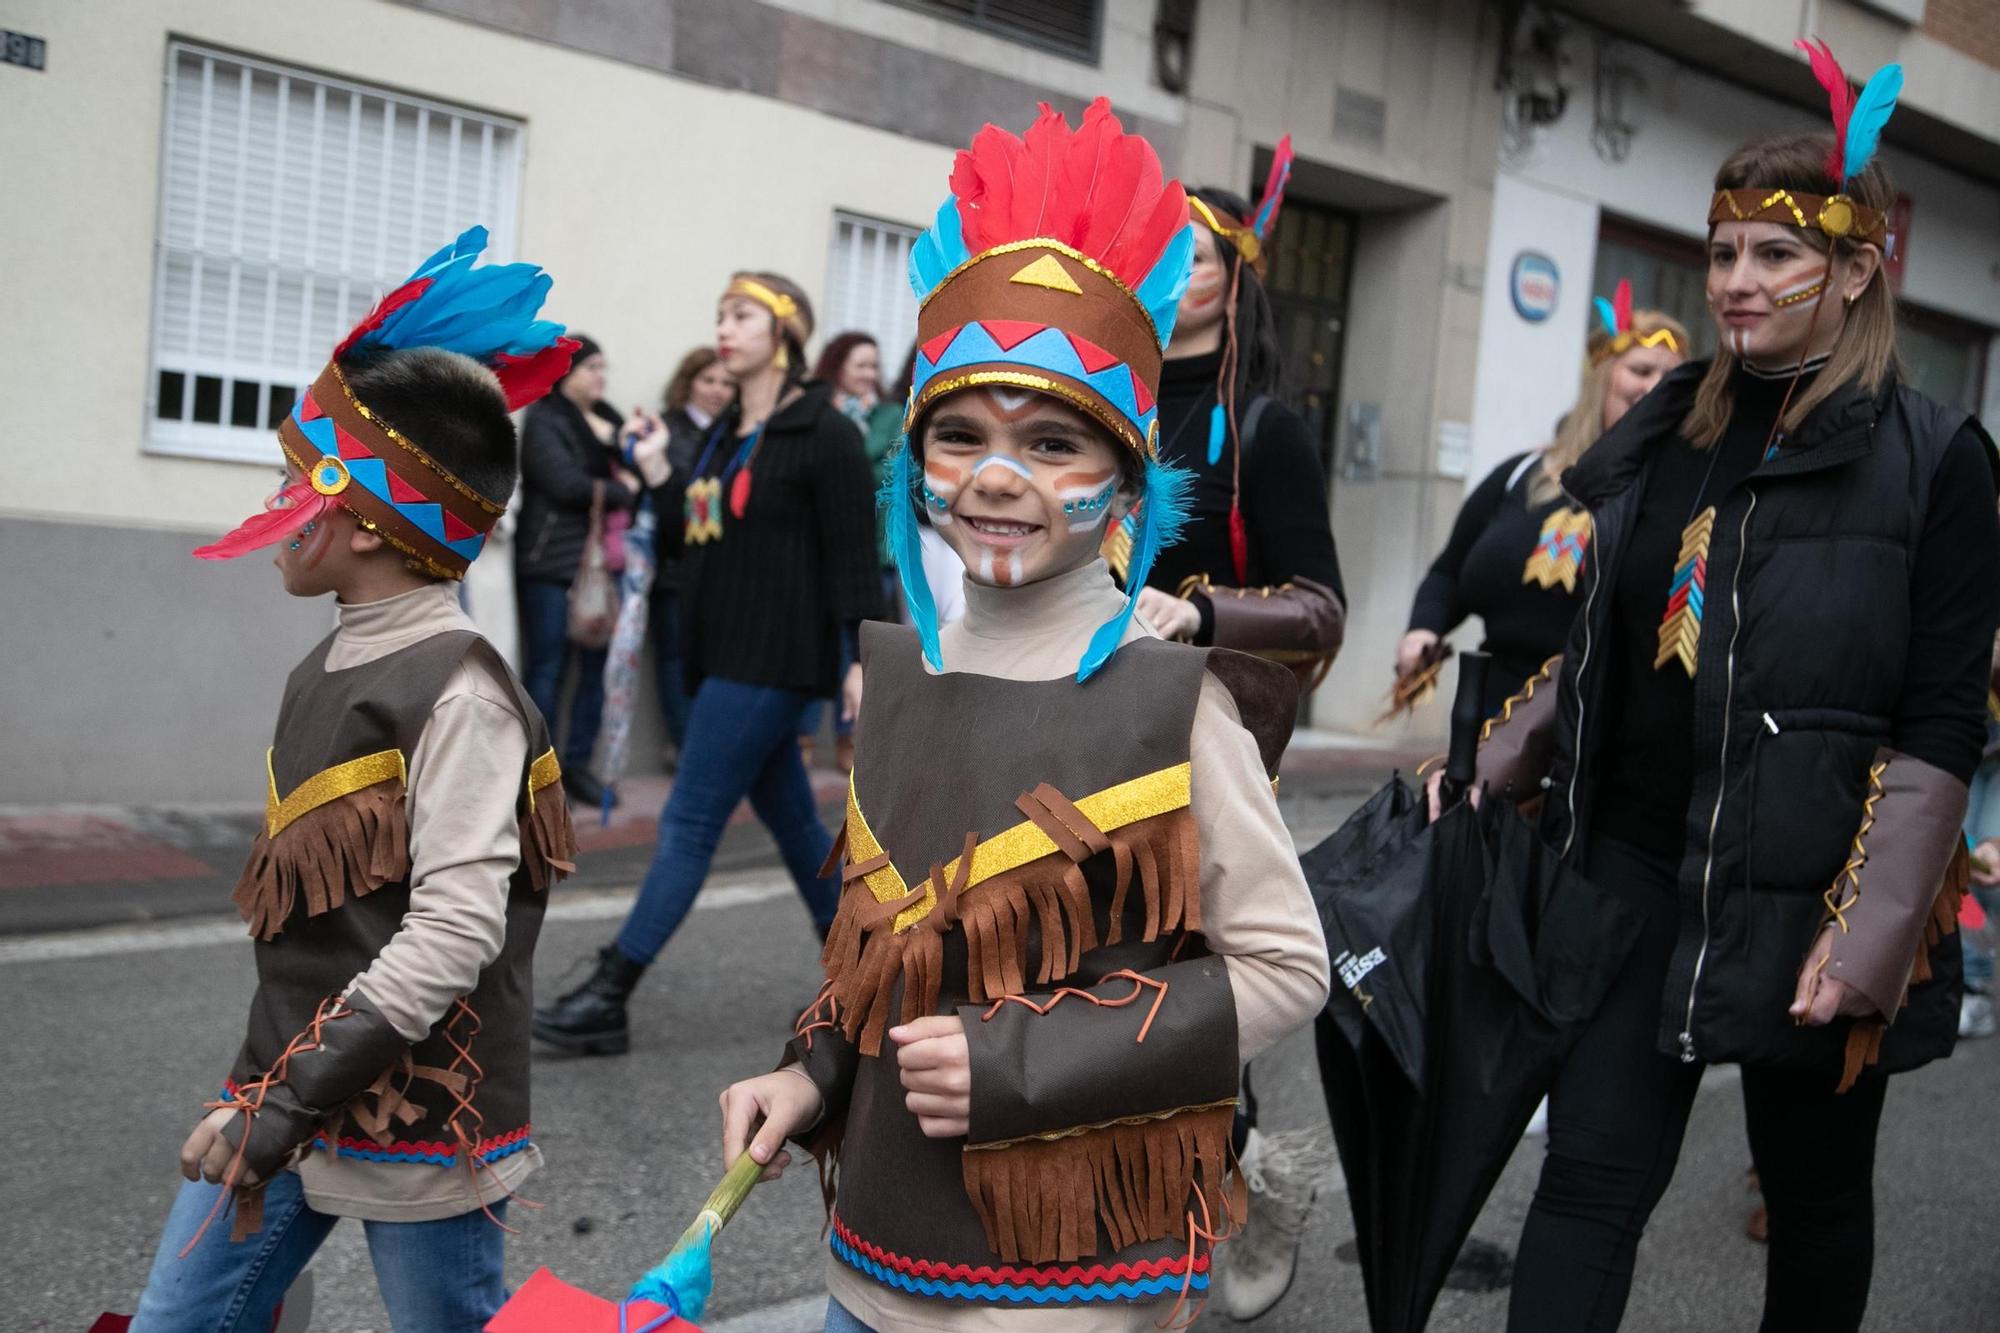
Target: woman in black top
697,395
1764,724
1275,588
1518,545
566,453
777,571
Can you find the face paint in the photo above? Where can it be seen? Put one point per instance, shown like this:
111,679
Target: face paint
1012,465
942,483
1001,572
1800,293
1086,498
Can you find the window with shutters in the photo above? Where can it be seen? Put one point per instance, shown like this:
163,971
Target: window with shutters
1067,27
868,286
289,202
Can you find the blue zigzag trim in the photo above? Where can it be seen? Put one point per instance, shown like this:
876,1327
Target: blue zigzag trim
406,1156
1016,1294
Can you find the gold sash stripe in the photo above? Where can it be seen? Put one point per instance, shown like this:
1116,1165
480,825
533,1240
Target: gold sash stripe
327,785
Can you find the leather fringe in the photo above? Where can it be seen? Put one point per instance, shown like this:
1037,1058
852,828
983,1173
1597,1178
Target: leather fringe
1041,1200
1864,1039
1048,899
548,841
352,845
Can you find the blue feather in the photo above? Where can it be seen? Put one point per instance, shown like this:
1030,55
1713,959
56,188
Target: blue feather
1163,288
1607,316
938,251
1871,112
1218,431
480,312
898,502
682,1283
1163,512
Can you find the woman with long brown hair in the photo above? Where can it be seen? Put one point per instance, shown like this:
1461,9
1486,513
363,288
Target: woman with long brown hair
1518,546
1763,727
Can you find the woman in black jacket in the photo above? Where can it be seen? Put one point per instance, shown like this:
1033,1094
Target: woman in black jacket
1764,724
696,397
1518,545
566,453
778,569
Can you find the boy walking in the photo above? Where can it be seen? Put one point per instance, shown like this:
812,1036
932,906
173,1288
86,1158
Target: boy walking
412,825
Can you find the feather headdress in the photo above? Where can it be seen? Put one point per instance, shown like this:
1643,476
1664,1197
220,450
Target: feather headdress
349,456
1857,130
1614,316
1056,265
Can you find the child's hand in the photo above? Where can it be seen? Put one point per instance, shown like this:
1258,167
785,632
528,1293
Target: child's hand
207,1154
937,1074
1986,864
786,1100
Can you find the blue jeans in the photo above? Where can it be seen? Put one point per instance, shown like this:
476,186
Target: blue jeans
839,1319
668,670
435,1277
741,741
546,653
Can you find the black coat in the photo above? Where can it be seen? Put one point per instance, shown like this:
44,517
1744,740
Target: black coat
560,459
1800,677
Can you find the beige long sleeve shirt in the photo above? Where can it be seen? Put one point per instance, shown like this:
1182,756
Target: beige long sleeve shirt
1256,911
465,843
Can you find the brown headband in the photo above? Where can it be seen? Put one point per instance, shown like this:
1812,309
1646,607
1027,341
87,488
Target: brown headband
1838,215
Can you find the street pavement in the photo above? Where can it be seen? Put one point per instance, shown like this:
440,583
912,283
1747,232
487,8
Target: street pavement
115,1034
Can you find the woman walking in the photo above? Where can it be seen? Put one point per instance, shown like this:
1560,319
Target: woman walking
1518,546
699,393
1766,717
777,572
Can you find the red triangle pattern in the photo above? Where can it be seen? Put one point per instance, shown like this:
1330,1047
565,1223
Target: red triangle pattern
1141,395
1011,333
349,446
402,492
935,348
309,410
1094,358
456,529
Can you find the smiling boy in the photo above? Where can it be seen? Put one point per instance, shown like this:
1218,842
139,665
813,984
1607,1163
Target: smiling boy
1070,909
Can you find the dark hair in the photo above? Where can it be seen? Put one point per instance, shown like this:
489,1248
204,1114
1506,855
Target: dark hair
448,405
681,386
1259,359
586,347
833,358
907,376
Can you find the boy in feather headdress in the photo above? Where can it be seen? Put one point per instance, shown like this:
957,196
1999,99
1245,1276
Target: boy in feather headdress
397,885
1070,909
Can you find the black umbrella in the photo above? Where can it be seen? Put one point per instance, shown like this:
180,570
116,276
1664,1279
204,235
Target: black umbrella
1468,960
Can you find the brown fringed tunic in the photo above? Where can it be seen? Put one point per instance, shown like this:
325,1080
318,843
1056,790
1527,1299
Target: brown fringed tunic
1125,838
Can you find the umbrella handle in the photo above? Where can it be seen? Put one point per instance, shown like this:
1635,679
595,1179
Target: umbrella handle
1468,716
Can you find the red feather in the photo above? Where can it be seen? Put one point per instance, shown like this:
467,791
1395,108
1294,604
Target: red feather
302,505
1273,196
1621,303
1839,97
387,306
739,493
1239,544
528,378
1096,189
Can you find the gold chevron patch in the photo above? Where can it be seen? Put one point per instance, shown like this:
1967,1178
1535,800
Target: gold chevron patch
1558,553
1680,628
1046,272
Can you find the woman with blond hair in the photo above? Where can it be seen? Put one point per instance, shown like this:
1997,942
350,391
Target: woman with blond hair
1518,546
1760,739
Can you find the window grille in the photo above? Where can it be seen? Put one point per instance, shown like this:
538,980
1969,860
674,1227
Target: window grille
289,202
868,287
1067,27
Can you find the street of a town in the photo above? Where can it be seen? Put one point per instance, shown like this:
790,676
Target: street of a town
117,1033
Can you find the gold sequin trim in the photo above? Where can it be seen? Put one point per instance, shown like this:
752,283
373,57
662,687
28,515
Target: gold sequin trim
1227,1103
1025,379
326,785
1155,793
494,509
1045,243
544,772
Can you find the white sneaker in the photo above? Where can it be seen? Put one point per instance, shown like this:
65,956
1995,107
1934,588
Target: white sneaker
1975,1015
1284,1171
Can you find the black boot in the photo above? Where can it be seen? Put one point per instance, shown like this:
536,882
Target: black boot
590,1020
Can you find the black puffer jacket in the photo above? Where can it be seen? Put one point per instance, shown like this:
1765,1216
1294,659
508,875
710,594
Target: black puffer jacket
560,458
1800,679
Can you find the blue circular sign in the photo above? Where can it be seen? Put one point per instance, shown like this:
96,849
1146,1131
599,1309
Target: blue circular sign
1534,284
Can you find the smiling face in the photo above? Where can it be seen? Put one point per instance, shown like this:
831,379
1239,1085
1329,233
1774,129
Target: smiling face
746,336
1208,287
1019,483
1632,376
1765,283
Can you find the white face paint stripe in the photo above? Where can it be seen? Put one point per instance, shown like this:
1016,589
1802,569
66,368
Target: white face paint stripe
1801,292
1012,465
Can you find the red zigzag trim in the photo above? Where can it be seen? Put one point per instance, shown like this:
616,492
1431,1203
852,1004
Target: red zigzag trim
1071,1275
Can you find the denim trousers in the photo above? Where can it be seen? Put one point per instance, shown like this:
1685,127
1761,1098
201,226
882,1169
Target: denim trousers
435,1277
741,741
839,1319
546,654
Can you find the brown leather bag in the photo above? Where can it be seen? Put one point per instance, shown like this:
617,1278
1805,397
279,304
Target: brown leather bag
593,593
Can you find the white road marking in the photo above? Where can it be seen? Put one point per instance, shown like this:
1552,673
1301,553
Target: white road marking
108,941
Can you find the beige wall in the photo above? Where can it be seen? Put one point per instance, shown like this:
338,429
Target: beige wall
639,192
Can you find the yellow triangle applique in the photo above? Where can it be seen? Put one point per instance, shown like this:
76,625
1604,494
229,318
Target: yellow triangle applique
1046,272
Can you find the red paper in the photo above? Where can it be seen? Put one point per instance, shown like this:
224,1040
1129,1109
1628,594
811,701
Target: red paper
111,1323
547,1304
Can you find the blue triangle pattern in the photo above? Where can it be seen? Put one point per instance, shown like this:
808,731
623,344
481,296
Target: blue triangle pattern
319,433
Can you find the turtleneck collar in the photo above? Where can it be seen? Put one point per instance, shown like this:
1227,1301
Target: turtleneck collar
416,612
1187,376
1036,632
